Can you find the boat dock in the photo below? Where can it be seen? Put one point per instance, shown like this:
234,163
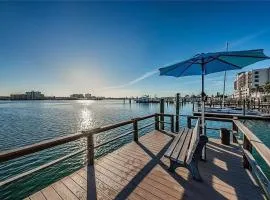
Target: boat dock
139,170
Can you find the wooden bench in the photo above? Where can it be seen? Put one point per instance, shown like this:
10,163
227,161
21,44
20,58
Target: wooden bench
186,150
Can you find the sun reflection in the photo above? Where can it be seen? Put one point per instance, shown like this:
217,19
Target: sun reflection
85,102
86,121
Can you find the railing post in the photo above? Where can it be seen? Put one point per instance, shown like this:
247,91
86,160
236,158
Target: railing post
235,130
177,112
248,146
162,112
156,122
188,121
225,136
172,123
91,189
135,130
90,149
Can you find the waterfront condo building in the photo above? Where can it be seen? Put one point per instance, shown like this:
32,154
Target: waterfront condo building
248,84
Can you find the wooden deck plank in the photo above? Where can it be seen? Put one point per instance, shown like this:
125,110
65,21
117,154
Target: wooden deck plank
135,172
63,191
74,188
50,193
37,196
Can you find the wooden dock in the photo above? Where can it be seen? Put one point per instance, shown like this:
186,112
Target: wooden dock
138,170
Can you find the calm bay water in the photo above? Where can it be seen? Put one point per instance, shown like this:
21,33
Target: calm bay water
27,122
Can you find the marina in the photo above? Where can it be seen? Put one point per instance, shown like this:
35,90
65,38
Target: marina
134,100
135,183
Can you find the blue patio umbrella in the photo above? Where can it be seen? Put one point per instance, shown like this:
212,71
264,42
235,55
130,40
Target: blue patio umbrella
207,63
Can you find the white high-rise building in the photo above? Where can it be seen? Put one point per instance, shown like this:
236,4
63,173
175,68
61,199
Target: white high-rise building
247,84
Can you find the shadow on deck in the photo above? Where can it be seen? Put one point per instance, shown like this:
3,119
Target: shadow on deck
139,171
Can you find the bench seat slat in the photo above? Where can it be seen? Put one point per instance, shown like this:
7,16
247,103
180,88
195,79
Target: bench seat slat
184,150
193,142
174,143
179,145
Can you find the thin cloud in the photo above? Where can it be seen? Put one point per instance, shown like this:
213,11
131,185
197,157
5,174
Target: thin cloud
246,39
140,78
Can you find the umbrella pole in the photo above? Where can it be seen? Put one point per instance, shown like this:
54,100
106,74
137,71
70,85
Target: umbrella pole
202,110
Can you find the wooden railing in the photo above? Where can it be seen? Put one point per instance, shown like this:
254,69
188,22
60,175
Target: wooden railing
88,134
249,142
246,144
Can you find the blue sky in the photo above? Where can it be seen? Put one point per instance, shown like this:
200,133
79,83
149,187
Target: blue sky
114,48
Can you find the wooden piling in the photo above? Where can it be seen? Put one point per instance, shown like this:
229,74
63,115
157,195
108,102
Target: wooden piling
177,112
162,112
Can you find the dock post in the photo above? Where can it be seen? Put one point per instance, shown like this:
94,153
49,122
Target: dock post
177,113
172,123
188,121
162,112
135,130
156,122
248,146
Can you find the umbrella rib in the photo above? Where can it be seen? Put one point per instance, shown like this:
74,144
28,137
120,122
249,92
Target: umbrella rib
229,63
186,68
177,66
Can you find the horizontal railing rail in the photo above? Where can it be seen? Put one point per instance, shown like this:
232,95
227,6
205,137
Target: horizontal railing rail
47,144
247,143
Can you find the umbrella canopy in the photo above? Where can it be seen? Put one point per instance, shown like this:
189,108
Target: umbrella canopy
214,62
207,63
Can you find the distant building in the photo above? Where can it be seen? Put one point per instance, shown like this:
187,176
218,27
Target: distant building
88,96
18,97
247,82
77,96
4,97
33,95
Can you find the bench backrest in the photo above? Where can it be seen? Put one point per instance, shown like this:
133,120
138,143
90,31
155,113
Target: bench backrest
194,141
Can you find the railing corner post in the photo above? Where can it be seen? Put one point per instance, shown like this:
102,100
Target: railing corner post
172,123
135,130
156,121
235,130
188,121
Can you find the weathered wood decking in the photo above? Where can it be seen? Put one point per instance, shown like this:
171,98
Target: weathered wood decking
139,171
